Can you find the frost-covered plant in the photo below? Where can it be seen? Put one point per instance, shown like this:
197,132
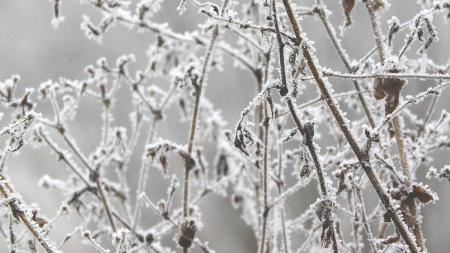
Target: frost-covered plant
270,155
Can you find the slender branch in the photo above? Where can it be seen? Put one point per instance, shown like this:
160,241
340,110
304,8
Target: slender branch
402,152
338,96
375,23
308,130
105,203
265,168
198,94
344,57
280,187
19,211
331,73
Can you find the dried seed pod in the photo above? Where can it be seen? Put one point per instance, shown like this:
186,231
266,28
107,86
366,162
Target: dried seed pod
305,171
348,6
187,233
222,166
420,33
290,135
323,211
38,219
395,27
164,163
342,185
422,194
236,200
149,238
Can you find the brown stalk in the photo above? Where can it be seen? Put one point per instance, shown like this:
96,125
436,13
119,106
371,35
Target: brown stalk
198,93
375,23
306,131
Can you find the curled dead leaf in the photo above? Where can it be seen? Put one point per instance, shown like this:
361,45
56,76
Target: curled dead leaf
389,89
422,194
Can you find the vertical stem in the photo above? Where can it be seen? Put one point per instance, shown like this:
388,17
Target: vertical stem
12,236
365,222
401,148
355,220
260,130
280,187
375,23
307,131
396,121
265,214
192,131
143,171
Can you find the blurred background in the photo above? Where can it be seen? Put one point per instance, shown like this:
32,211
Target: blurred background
32,48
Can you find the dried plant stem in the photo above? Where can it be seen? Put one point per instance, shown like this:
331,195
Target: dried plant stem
63,157
265,213
375,23
322,12
6,191
355,247
360,154
405,167
249,25
142,177
268,158
198,94
259,117
78,153
306,131
401,147
335,74
429,113
364,219
106,204
106,116
61,129
204,247
151,133
192,131
12,236
262,127
280,188
345,59
320,99
99,193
